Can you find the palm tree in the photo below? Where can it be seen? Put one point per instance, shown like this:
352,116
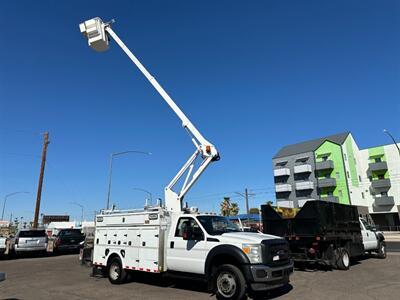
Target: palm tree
234,209
225,206
229,208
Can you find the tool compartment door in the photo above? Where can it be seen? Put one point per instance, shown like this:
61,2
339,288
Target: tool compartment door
149,249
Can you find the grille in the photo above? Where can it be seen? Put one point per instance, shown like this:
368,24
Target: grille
275,248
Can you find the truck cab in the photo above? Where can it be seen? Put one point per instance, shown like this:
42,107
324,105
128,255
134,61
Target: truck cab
373,240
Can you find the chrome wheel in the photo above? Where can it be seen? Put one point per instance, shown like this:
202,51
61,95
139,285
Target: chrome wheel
226,284
346,259
114,271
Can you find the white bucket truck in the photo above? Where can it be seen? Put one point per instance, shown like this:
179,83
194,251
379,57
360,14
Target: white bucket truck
174,240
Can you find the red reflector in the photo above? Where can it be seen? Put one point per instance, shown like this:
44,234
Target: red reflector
141,269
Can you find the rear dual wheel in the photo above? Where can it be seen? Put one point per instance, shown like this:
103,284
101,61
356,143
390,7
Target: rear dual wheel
116,273
342,259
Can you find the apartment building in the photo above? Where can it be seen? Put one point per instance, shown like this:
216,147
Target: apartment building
333,168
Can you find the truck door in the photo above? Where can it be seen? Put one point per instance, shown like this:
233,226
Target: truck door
186,255
369,238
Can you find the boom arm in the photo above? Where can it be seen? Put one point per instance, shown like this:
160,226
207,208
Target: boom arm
98,34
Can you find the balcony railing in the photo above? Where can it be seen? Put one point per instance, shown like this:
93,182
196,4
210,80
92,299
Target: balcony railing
304,185
326,182
282,172
377,166
384,200
283,187
306,168
324,165
380,184
330,198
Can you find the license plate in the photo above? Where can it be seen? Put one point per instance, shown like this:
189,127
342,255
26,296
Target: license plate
275,258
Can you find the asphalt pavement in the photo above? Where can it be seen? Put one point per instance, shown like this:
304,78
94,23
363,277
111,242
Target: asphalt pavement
61,277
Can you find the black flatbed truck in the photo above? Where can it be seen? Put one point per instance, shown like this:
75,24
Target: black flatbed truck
322,232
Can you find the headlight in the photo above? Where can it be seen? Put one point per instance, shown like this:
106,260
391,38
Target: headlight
253,252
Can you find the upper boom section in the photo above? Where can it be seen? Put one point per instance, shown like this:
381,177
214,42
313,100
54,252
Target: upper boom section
98,34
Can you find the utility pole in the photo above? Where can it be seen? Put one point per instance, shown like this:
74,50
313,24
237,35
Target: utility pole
39,191
246,197
246,194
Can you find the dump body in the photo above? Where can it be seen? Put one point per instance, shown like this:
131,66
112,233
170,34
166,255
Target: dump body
317,230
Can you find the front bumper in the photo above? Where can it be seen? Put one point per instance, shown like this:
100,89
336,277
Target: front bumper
262,277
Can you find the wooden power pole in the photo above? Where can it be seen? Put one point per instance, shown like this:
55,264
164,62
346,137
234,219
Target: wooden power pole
246,194
39,191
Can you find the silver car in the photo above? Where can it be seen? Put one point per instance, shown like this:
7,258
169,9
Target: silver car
30,240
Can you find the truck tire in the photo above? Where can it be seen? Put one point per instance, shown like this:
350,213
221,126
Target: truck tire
229,283
115,273
342,259
381,250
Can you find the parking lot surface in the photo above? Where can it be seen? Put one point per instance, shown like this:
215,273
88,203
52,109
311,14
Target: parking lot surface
62,277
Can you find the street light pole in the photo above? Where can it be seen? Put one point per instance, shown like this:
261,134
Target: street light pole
81,206
147,192
110,171
391,136
5,200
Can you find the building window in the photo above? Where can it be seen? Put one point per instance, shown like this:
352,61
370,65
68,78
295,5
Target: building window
348,174
345,157
362,195
325,158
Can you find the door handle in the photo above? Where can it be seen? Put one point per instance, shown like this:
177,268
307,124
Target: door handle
172,244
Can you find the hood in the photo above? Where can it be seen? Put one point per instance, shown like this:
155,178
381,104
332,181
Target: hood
245,237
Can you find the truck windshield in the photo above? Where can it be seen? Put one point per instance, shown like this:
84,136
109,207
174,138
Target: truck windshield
216,225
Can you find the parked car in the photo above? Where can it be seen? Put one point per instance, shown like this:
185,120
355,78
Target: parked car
3,245
30,240
68,240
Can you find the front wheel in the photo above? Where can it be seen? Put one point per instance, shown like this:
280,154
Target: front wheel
229,283
116,273
382,249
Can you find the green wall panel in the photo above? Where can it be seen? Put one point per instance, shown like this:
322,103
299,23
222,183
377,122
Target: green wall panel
351,159
334,153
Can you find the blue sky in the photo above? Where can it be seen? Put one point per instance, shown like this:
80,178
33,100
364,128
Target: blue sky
251,75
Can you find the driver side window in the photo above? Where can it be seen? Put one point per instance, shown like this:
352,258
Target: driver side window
186,222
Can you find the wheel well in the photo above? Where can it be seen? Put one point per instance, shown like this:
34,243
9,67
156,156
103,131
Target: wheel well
111,257
222,259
